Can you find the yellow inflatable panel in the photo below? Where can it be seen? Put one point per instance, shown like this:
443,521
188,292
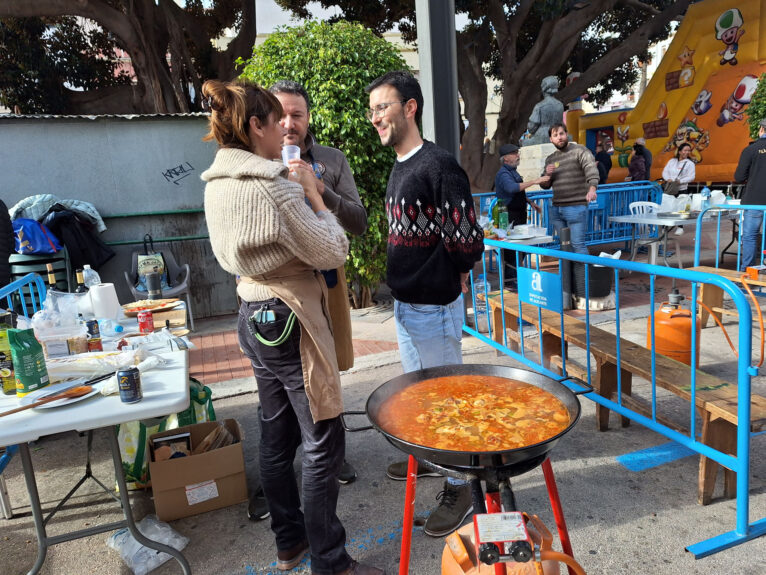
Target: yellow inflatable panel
698,95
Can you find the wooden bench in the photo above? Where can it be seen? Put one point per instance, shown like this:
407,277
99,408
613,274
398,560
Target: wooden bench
716,398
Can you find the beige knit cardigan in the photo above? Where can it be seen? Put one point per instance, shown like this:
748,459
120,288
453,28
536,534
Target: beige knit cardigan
258,220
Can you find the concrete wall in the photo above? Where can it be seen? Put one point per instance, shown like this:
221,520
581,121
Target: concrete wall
124,165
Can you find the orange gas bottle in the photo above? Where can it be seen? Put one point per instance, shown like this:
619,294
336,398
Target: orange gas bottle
459,555
673,330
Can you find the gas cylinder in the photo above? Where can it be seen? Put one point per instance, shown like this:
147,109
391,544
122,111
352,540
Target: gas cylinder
459,555
673,330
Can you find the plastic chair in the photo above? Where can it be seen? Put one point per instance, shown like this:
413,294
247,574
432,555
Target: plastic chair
28,293
178,276
647,233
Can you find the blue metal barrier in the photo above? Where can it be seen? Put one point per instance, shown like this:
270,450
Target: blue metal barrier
612,200
497,338
720,218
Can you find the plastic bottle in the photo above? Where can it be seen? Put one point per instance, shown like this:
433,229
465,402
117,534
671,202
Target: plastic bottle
90,276
502,218
110,328
705,204
478,288
493,211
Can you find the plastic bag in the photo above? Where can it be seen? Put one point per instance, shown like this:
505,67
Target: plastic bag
140,559
682,203
34,238
28,361
151,261
95,364
133,436
59,312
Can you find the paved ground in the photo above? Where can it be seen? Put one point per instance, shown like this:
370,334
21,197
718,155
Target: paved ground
620,521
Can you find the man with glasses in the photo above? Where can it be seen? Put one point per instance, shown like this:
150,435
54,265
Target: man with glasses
434,241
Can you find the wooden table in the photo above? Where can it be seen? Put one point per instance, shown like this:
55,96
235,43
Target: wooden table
712,295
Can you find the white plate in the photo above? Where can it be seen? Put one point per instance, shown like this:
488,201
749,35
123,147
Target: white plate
526,236
55,388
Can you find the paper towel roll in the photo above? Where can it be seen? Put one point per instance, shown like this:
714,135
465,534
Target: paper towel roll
105,303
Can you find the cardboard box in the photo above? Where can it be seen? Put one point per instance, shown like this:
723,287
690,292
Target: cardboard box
198,483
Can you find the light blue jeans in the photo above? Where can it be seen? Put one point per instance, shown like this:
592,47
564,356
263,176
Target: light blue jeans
574,218
751,238
430,336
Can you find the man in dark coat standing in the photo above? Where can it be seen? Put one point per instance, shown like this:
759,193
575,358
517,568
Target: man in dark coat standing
752,169
510,186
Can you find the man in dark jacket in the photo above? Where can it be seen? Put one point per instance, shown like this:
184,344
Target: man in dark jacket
752,169
647,158
510,186
7,245
603,163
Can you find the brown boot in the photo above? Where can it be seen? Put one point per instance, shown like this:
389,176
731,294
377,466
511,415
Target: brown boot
290,558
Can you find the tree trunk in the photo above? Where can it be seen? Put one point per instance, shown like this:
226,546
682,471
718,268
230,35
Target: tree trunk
473,50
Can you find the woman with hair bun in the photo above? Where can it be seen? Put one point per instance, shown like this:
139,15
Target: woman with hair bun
275,233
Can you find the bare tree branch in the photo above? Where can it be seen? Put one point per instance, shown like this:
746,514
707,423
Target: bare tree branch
619,55
641,6
97,10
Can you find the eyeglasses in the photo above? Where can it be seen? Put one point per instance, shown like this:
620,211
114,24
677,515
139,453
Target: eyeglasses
380,110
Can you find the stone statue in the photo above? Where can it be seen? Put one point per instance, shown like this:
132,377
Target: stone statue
546,112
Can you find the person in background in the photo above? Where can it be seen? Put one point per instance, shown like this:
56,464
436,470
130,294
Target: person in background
510,186
680,169
573,177
647,157
752,170
637,164
603,163
275,234
510,189
7,244
434,240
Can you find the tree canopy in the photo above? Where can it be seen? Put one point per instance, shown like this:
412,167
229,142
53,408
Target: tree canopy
48,55
335,63
519,42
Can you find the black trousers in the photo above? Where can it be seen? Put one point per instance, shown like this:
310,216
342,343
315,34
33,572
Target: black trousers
286,423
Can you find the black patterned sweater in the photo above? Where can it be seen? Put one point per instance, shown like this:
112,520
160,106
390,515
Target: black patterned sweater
433,235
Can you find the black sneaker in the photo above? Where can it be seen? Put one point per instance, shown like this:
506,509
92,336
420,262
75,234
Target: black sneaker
347,473
454,506
398,471
257,509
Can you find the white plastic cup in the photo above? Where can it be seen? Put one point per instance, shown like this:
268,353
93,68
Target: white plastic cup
290,152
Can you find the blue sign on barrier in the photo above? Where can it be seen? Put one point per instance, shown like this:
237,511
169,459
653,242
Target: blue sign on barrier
542,289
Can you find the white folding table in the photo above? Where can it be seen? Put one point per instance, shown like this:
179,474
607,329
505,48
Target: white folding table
165,390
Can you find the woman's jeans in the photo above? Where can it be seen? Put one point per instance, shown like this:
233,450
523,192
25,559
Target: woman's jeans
751,238
286,423
574,218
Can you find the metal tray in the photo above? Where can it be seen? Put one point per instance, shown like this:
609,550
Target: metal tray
679,215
